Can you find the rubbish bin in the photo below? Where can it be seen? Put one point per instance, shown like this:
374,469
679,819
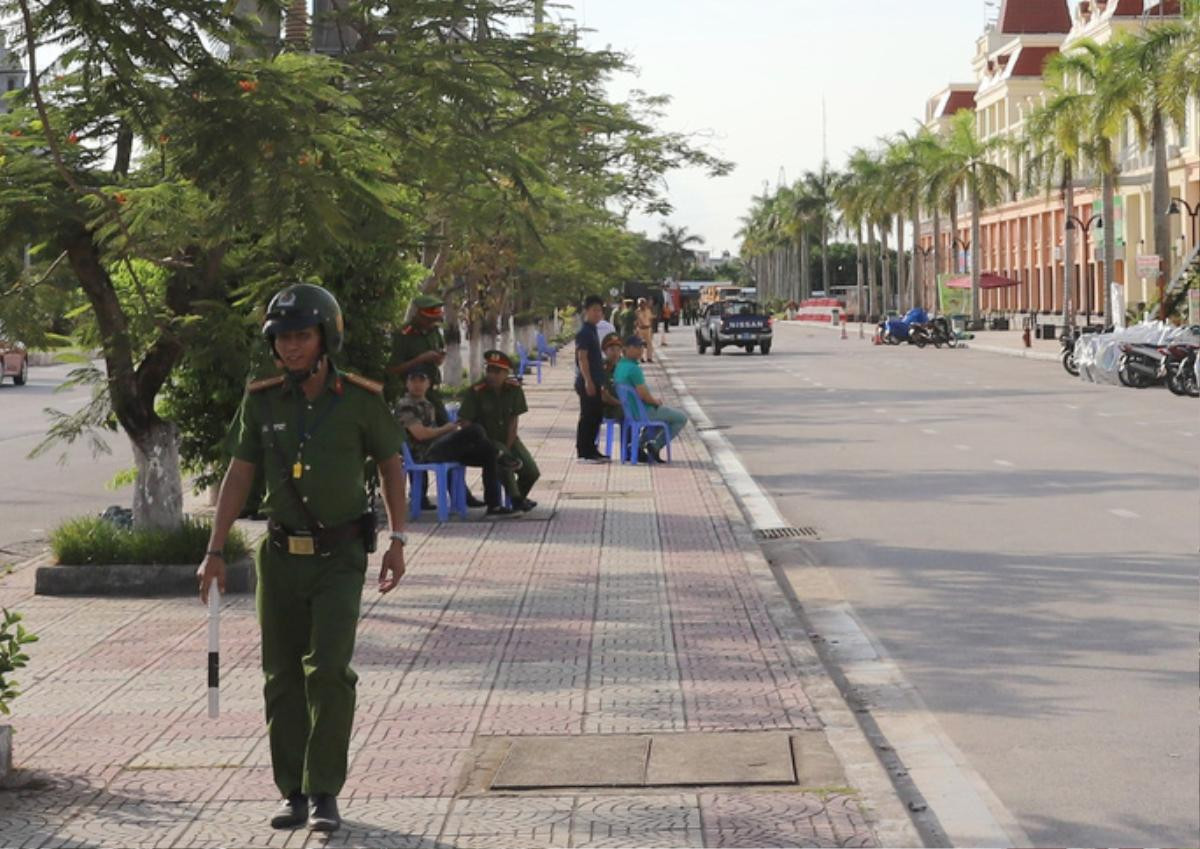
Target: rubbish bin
1048,331
837,317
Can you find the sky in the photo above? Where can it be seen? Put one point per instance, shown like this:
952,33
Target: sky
750,74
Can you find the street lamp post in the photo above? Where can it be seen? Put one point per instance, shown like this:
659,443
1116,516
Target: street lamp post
1075,222
1193,213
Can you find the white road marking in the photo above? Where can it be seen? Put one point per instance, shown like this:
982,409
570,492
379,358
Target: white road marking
929,431
963,447
1003,463
1072,406
967,809
879,410
1124,514
1186,433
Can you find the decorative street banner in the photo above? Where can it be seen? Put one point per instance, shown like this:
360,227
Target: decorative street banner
952,301
1101,233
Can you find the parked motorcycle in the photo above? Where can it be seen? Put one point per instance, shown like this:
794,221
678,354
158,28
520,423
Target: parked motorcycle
1141,365
893,331
1067,353
1182,373
941,333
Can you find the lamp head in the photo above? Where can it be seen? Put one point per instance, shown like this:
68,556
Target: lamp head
1173,209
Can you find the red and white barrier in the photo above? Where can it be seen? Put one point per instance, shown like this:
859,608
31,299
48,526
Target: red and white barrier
820,310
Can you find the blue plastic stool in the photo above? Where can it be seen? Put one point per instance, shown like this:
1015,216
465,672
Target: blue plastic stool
451,486
611,425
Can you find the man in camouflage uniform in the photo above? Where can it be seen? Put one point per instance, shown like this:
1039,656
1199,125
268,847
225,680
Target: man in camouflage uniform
312,431
496,403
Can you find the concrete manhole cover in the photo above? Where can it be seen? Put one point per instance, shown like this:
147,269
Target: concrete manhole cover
658,760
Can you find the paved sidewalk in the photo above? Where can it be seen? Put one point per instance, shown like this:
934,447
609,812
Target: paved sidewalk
631,601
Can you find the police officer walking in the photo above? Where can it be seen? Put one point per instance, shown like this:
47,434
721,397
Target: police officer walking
312,431
496,403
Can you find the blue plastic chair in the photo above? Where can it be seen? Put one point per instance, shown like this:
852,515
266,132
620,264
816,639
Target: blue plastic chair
544,349
523,354
451,486
636,422
610,425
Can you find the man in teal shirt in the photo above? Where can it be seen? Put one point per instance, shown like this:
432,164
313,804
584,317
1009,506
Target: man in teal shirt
629,373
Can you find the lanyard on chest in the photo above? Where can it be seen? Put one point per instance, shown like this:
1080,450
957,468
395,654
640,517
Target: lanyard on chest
304,433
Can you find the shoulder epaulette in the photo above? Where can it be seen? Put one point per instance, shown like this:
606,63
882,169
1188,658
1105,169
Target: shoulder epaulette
265,383
480,386
408,330
364,383
512,381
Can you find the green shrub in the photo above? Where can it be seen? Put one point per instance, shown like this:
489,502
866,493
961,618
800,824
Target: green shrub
94,541
12,657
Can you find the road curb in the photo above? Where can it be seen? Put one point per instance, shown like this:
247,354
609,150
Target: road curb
135,581
881,805
1011,352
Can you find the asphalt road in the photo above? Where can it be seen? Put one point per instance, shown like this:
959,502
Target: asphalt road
35,495
1023,545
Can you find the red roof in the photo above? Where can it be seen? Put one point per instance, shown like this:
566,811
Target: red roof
1031,61
958,101
1036,16
1128,8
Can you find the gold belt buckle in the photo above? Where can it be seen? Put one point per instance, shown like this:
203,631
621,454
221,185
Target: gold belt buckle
301,545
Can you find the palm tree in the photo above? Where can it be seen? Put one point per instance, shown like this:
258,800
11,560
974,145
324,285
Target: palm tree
1155,101
1055,140
820,188
296,26
985,181
851,197
675,241
1109,92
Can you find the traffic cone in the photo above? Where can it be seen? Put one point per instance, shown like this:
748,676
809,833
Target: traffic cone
877,339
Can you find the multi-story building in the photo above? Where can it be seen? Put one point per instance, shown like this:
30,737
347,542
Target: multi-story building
1022,238
12,71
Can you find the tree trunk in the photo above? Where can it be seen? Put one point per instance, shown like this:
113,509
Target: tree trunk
158,491
937,257
1108,183
872,276
901,264
917,270
476,349
452,367
954,247
858,271
1160,193
806,289
1069,250
975,214
885,283
826,283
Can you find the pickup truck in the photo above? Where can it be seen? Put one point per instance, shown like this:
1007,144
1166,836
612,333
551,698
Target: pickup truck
734,322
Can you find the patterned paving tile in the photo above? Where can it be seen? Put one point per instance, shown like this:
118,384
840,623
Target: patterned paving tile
622,614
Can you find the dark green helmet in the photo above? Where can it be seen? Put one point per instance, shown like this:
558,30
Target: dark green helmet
304,305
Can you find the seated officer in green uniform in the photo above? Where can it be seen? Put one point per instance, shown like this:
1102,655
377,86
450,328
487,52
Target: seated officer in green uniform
496,402
613,349
312,431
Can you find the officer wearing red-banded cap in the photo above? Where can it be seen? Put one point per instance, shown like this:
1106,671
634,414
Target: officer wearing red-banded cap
496,403
420,342
311,430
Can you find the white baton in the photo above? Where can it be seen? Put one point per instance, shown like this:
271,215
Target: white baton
214,651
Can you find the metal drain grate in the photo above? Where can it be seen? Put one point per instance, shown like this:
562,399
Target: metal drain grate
786,533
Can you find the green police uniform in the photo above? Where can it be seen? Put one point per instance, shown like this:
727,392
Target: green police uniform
308,604
494,410
627,321
411,341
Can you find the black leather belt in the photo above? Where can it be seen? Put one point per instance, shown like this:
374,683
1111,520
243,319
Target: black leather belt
308,543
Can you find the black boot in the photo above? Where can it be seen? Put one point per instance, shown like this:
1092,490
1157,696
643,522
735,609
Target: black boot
472,501
292,811
324,816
